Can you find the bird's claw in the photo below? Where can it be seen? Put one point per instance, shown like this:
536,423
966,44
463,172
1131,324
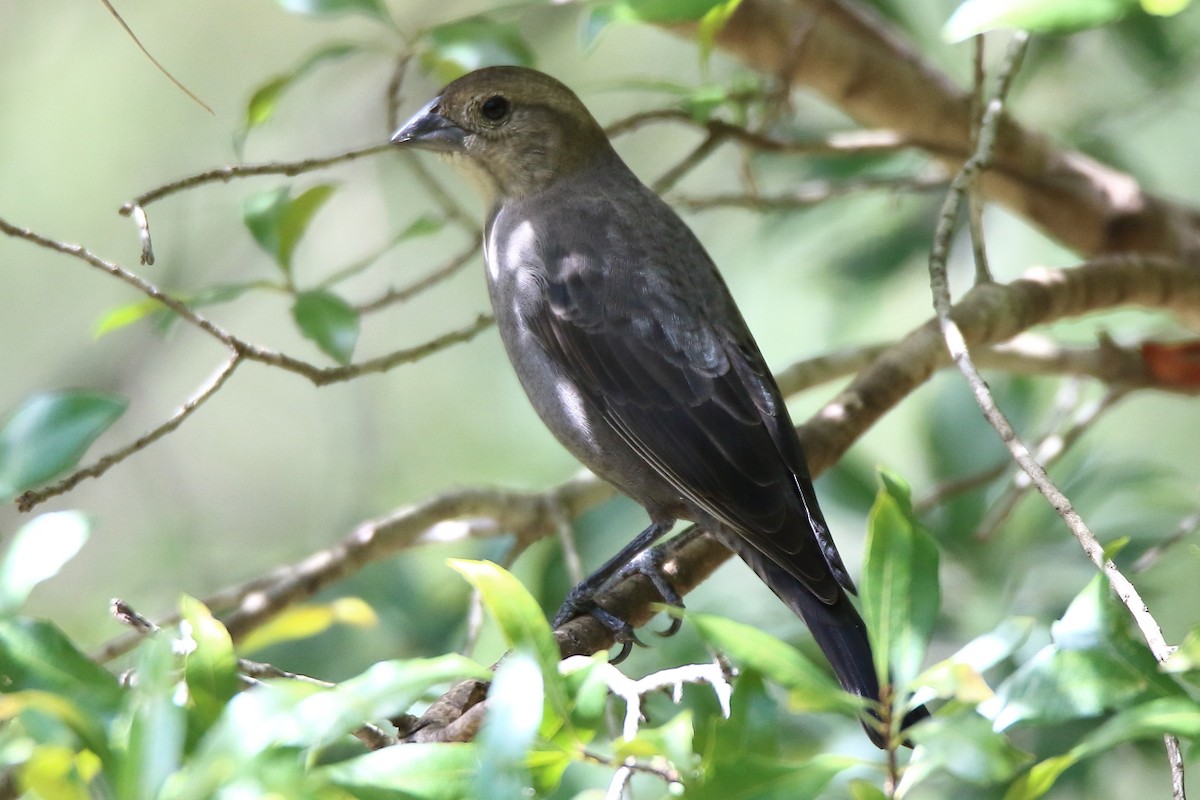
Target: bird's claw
581,601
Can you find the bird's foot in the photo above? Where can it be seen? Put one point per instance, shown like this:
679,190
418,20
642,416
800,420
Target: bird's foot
582,601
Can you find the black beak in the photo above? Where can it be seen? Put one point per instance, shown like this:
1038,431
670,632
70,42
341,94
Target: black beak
430,130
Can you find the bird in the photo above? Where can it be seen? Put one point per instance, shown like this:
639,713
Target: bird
634,354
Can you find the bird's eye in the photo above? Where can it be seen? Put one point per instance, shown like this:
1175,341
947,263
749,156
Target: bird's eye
494,108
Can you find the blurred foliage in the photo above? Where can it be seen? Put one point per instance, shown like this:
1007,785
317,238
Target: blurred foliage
1053,677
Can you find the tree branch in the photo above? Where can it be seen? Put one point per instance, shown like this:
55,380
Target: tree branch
853,58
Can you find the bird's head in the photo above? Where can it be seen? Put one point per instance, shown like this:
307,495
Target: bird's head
518,130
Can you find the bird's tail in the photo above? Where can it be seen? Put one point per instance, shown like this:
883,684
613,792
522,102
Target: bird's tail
838,629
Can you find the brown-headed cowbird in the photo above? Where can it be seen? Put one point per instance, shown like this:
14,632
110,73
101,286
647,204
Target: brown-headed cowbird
633,352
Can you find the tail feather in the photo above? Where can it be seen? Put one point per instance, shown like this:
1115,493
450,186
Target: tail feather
838,630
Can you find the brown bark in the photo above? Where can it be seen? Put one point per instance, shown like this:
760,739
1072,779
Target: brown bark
850,56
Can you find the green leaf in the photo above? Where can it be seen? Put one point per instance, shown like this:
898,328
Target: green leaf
1174,715
277,221
372,8
674,741
1092,666
210,666
58,772
900,594
966,746
39,663
514,714
306,620
153,724
862,790
750,776
123,316
423,225
265,99
809,688
1039,16
523,624
328,320
1186,657
961,675
161,316
515,610
410,772
661,11
37,552
48,435
457,48
1179,716
292,714
1164,8
711,24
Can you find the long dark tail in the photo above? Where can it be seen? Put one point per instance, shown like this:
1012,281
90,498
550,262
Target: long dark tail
839,630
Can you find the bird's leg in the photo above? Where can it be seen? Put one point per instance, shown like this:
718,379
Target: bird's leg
581,600
650,564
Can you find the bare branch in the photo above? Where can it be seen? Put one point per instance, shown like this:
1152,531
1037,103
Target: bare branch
811,193
31,498
227,174
957,345
435,276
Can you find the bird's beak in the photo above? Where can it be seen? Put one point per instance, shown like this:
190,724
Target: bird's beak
430,130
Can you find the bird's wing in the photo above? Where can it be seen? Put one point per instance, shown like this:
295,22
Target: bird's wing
678,376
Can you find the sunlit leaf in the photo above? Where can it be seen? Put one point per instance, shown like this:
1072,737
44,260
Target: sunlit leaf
163,317
59,772
265,99
515,702
153,723
966,746
296,714
37,552
673,740
900,594
1176,715
1040,16
522,622
48,435
1164,8
210,667
41,666
278,222
307,620
960,676
711,24
752,775
514,609
1092,666
809,688
459,47
329,321
862,790
372,8
412,772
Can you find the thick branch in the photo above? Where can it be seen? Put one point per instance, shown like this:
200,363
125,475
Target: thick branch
846,53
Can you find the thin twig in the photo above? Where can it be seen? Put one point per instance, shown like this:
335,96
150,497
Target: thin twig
1186,527
957,346
227,174
435,276
689,162
811,193
1049,450
31,498
178,84
983,272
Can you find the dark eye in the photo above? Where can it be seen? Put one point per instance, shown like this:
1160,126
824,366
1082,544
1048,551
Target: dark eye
495,108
